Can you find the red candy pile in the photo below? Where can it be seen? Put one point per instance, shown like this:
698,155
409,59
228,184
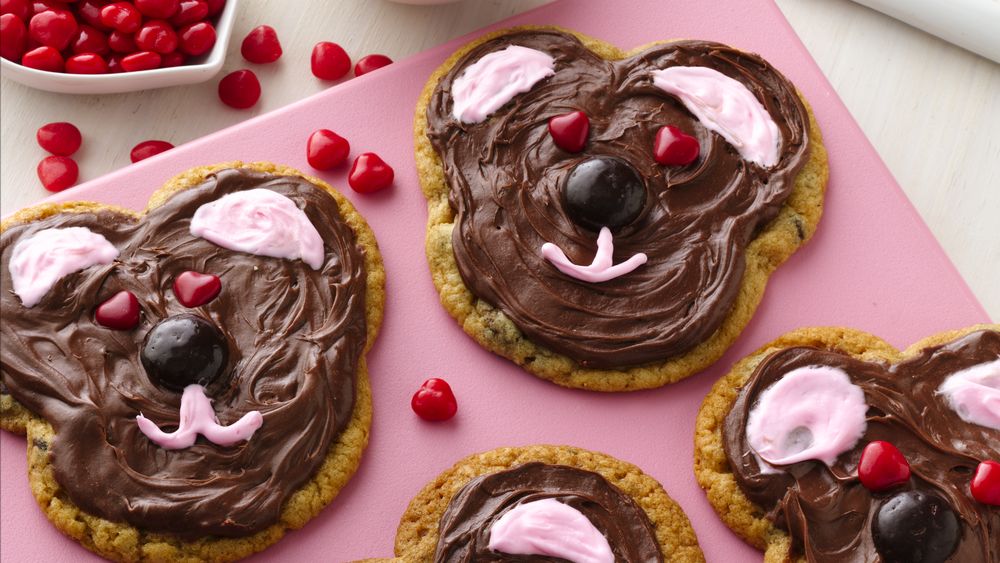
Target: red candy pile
101,36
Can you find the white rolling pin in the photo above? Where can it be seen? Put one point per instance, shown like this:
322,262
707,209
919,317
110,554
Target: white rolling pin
970,24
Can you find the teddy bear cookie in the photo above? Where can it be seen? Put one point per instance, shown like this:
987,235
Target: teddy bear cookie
830,445
607,219
191,379
544,503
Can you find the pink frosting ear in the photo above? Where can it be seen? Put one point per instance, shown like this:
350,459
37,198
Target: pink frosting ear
39,261
811,413
551,528
262,222
974,394
725,106
492,81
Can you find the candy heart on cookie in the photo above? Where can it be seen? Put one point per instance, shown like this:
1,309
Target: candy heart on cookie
601,207
186,373
857,451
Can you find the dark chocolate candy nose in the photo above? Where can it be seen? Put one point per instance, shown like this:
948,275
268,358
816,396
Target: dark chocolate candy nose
182,350
916,527
604,191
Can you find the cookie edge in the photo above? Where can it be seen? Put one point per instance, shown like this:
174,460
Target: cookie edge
711,469
417,535
794,225
124,542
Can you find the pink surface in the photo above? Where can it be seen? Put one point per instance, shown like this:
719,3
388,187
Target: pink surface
872,265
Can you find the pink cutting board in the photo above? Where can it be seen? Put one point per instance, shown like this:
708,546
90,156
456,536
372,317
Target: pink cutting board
872,265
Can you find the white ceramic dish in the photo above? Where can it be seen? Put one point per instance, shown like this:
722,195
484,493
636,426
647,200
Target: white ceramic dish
130,81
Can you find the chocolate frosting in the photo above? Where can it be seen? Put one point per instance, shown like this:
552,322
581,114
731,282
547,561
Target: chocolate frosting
464,530
505,177
295,336
827,510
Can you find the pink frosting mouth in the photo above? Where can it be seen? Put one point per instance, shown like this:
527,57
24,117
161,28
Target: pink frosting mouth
602,268
198,417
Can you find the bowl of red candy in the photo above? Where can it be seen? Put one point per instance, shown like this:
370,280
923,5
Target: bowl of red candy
104,46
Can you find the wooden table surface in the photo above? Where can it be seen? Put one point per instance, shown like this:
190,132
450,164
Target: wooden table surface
931,109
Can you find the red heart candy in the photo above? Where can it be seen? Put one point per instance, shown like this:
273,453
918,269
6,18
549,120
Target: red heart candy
53,28
146,149
120,312
370,63
882,467
326,149
985,484
569,131
57,172
369,173
674,147
330,61
194,289
434,401
261,45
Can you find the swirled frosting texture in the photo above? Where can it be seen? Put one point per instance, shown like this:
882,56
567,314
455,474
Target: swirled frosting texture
827,510
505,177
464,530
295,336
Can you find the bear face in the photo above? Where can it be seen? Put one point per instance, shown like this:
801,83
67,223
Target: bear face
670,241
287,329
871,458
545,503
535,509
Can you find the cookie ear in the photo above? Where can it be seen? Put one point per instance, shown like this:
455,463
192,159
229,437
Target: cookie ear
496,78
735,94
974,394
261,222
39,260
726,106
783,427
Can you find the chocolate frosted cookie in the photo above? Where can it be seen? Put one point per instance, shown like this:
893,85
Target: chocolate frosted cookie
191,379
830,445
608,220
544,503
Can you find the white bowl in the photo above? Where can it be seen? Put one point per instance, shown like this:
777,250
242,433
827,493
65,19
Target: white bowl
130,81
